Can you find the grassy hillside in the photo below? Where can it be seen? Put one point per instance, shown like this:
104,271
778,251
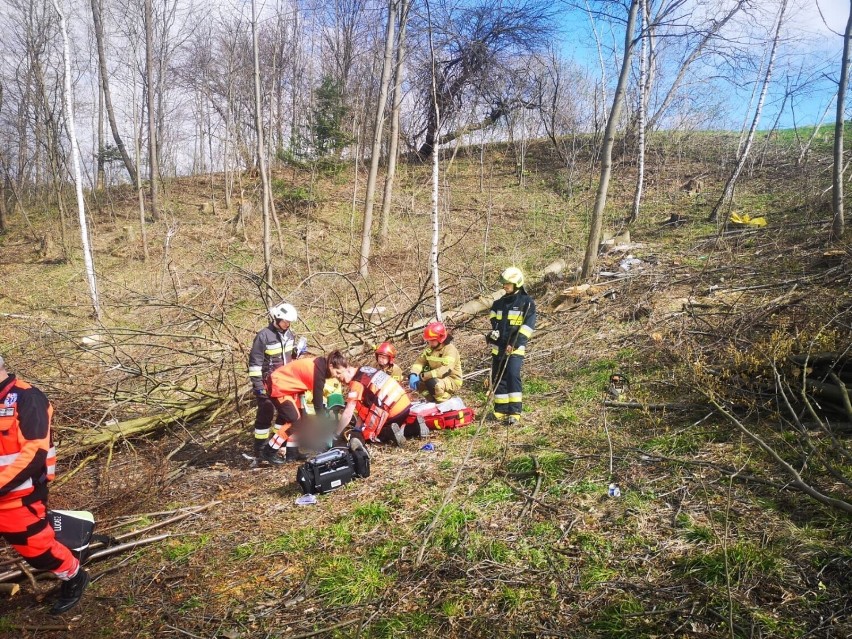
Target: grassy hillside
498,532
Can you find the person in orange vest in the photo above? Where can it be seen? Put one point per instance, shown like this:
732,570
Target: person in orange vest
287,385
386,360
379,404
27,463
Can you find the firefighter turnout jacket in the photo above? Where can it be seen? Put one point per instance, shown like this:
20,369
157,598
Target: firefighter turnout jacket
27,455
271,349
442,362
513,317
297,378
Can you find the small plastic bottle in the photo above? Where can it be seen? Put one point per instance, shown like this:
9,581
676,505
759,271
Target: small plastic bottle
614,491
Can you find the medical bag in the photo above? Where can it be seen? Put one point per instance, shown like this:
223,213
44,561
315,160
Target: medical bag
326,472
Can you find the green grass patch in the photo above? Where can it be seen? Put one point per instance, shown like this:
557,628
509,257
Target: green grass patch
179,551
746,562
619,620
480,547
537,386
451,527
494,492
399,626
694,532
295,541
371,513
345,581
243,552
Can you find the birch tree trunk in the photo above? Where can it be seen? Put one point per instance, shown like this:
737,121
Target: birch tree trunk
75,161
644,26
261,151
838,223
728,193
596,221
436,279
366,230
393,149
153,165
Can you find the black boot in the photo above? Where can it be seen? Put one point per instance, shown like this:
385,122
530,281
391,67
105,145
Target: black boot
293,454
270,454
258,448
70,592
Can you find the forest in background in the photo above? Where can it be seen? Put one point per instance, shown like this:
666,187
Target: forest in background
729,443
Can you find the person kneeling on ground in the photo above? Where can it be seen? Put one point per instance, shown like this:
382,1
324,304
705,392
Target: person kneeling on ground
437,373
379,404
287,385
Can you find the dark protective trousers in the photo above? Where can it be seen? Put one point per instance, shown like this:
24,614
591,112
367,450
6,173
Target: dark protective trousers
27,530
506,380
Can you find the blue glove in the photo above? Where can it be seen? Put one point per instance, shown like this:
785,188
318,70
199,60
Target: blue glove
260,392
413,381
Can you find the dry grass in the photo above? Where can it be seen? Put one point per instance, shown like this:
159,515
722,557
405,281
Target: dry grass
685,552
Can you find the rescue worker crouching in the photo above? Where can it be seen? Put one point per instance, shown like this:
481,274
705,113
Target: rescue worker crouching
287,386
386,360
513,319
27,463
379,404
273,347
437,373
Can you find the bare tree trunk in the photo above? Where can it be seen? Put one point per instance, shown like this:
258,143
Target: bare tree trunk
153,165
728,193
99,37
367,229
596,221
393,150
643,102
100,173
436,280
261,152
807,146
137,150
75,157
838,223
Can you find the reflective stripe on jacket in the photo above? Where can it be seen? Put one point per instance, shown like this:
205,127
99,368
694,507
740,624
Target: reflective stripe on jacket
271,349
514,317
27,455
439,363
371,387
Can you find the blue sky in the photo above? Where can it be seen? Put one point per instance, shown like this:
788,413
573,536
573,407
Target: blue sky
811,48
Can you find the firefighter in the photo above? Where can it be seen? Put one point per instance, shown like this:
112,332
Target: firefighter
287,386
379,404
512,323
273,346
27,463
385,360
437,373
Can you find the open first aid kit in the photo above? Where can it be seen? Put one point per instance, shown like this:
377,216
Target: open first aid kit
444,416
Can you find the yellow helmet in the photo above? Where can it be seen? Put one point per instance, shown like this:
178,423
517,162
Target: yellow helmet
512,275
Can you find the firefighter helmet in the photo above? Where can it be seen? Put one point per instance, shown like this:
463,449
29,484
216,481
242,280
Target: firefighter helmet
512,275
435,331
284,311
386,348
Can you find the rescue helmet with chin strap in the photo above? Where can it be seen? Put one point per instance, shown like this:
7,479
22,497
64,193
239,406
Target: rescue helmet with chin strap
387,349
284,311
512,275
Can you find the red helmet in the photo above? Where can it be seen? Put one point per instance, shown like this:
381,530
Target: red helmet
435,330
386,348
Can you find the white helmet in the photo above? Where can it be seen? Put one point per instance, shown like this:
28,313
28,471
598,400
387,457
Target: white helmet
284,311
